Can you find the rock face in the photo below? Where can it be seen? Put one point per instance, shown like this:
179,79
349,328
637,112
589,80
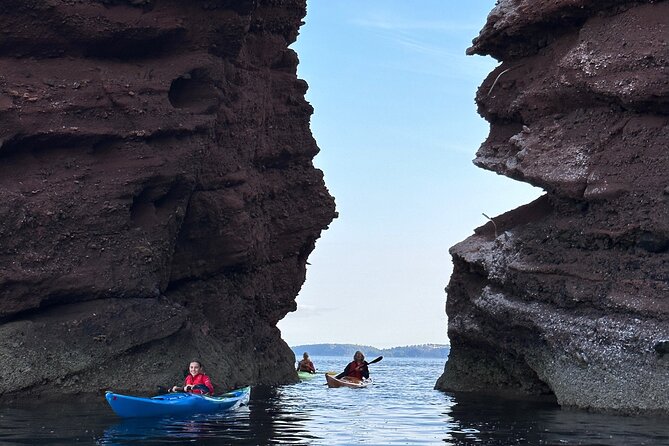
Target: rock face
568,297
158,200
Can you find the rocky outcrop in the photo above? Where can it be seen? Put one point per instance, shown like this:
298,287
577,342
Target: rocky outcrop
568,297
158,199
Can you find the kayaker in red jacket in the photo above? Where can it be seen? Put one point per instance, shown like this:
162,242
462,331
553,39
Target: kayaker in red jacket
195,379
358,367
305,365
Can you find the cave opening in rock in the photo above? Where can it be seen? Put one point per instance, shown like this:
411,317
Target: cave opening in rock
194,91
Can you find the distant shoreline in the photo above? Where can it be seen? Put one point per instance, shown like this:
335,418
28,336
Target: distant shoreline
409,351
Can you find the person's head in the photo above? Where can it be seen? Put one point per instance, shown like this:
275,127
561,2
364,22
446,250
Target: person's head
305,355
195,367
358,357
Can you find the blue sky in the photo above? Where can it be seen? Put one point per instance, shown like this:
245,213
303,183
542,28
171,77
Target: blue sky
396,123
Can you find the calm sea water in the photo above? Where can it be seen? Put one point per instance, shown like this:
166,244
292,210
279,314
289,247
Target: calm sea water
401,408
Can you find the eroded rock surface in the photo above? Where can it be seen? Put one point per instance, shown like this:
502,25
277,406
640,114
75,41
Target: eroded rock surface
568,297
158,199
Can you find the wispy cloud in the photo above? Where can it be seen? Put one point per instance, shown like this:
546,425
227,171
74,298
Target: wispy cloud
434,59
422,47
426,47
394,24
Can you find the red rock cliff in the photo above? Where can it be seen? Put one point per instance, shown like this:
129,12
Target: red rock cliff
158,199
568,296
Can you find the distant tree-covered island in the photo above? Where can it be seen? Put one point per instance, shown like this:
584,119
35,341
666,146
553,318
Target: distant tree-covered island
409,351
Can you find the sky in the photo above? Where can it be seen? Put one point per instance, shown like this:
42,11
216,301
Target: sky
396,122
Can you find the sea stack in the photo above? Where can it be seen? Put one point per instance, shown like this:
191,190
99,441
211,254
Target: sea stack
569,297
158,199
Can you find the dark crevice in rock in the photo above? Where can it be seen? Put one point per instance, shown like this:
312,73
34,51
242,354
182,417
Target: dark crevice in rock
53,300
159,200
486,370
129,45
281,160
40,144
242,7
194,91
528,213
144,5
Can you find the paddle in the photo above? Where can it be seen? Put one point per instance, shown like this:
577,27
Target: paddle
341,375
201,387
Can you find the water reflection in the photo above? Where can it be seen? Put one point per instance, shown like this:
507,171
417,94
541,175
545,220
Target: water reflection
274,417
400,408
205,429
476,419
37,423
480,420
268,419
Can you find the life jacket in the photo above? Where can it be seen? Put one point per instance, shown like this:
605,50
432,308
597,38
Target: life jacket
200,378
306,366
353,370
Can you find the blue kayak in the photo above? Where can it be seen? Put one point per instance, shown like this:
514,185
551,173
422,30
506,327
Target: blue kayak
175,403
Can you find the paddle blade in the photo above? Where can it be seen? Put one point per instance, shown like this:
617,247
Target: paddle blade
375,360
202,388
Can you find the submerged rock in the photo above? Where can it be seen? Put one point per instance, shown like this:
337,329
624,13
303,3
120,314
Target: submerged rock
570,300
158,200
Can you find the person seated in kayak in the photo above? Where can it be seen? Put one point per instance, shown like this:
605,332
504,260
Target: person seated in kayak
305,365
196,381
358,367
